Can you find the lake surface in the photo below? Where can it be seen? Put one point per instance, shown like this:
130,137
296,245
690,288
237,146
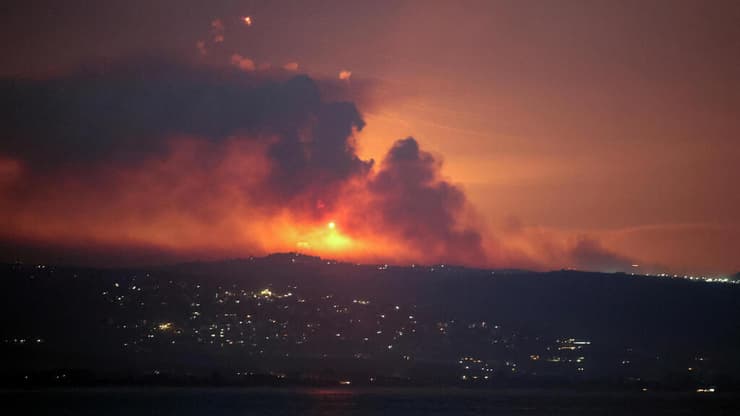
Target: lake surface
233,401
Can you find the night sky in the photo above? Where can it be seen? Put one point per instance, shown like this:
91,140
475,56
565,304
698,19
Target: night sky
534,134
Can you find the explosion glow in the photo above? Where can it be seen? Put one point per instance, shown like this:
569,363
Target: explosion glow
248,173
223,145
258,188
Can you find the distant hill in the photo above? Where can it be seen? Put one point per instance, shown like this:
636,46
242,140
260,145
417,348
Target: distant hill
320,319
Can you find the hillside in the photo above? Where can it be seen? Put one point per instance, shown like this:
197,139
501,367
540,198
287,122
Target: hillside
304,319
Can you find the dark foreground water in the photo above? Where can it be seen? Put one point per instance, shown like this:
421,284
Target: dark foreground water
217,402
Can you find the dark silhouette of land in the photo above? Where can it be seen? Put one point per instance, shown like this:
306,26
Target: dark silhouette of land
296,319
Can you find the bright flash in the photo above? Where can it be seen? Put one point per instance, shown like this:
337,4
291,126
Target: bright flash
332,225
247,20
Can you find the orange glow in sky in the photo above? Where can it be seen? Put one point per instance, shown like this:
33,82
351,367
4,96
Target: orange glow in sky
608,123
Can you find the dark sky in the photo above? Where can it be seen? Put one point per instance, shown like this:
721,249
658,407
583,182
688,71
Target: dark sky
570,126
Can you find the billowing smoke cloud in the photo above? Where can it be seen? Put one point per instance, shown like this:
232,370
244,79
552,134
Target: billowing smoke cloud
154,159
589,254
131,112
423,209
215,161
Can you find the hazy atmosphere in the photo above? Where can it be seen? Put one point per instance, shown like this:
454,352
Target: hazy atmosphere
543,135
